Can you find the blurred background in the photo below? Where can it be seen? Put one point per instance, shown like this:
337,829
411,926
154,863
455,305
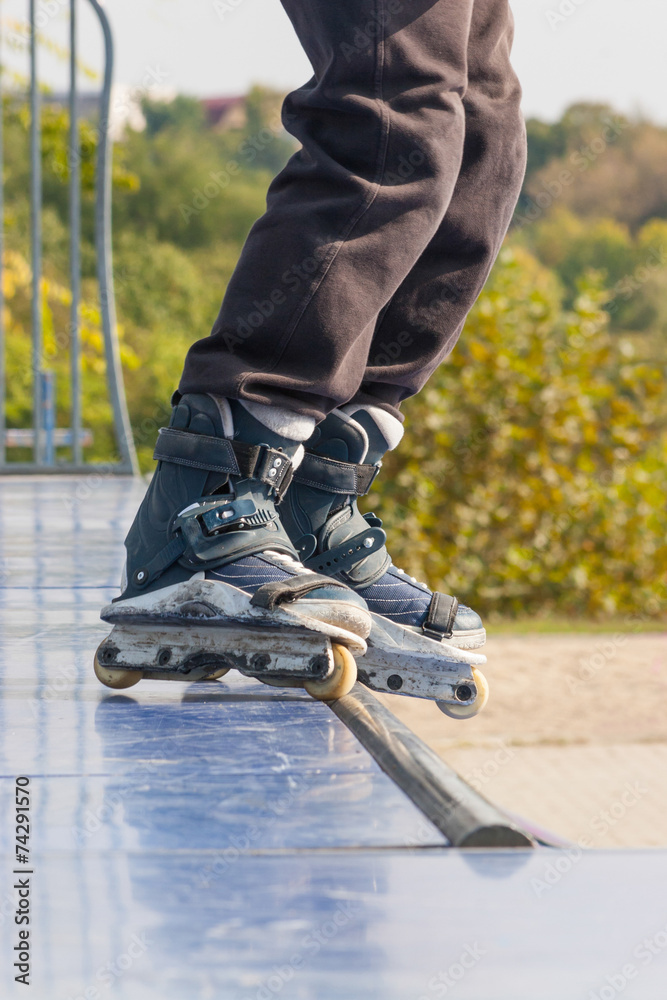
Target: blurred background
534,488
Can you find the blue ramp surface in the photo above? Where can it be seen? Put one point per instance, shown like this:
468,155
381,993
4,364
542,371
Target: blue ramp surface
231,840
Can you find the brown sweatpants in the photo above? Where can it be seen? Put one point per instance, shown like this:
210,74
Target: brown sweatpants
380,232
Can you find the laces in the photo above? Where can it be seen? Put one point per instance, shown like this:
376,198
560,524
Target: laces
289,562
413,578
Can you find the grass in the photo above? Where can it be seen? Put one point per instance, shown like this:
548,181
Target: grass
496,625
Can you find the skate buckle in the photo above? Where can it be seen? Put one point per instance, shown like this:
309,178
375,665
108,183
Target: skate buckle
274,468
220,516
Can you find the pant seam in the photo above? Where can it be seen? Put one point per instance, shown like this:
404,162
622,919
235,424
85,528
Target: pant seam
381,159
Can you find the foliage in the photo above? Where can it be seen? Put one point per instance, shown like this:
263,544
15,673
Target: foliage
536,478
56,304
181,112
170,268
634,266
617,166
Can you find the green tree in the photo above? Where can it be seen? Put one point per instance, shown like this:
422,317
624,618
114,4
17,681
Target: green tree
533,472
182,112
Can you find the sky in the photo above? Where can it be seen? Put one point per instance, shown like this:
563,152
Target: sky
565,50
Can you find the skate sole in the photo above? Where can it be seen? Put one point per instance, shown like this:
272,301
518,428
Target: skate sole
474,639
201,601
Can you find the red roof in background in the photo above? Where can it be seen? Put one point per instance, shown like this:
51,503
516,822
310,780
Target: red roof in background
215,107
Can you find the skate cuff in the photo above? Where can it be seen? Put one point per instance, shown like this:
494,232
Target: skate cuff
439,622
335,477
235,458
271,595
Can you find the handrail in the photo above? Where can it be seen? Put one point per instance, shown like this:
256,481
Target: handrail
464,816
104,257
44,437
36,239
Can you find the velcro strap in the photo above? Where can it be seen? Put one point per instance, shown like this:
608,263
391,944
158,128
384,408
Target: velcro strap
197,451
270,595
334,476
439,622
235,458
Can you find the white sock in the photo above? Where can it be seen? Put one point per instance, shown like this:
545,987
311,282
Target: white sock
225,411
287,423
391,428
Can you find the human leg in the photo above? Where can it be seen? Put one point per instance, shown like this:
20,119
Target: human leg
343,229
421,324
414,332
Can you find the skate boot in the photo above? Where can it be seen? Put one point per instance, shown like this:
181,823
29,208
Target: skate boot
421,642
212,579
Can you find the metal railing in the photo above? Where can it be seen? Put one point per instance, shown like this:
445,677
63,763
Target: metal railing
44,437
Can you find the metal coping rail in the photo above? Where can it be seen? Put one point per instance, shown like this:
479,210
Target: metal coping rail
464,816
43,424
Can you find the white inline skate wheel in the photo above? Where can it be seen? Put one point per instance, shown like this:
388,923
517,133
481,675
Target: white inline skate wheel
340,682
117,679
468,711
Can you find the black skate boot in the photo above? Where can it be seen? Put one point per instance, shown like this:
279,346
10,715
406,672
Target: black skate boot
320,513
421,643
212,579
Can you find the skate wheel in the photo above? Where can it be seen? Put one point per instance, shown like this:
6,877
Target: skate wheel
282,682
116,679
217,674
340,682
468,711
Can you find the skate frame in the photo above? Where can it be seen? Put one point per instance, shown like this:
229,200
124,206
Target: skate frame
399,661
195,652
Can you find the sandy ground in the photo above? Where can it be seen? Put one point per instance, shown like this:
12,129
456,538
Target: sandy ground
574,736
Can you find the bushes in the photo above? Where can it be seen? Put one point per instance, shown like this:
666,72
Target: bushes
56,301
537,476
